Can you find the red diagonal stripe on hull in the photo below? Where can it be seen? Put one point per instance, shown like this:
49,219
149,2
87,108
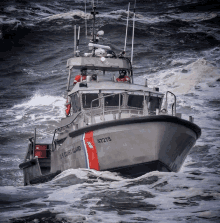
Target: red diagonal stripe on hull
91,151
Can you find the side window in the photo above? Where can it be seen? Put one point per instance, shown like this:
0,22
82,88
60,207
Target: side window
135,101
112,100
154,103
75,102
88,98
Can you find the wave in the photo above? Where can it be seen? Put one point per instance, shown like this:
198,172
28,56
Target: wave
41,111
41,100
193,17
89,195
186,78
72,15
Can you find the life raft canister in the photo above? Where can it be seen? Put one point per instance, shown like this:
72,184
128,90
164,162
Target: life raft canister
68,107
40,151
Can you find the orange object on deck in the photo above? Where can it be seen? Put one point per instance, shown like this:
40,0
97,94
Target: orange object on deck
78,78
68,107
40,151
123,79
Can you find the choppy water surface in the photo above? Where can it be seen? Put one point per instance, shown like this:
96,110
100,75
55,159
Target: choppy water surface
176,48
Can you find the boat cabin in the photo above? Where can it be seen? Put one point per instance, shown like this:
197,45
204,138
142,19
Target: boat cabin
104,98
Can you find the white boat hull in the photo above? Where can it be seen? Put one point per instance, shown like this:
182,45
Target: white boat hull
131,147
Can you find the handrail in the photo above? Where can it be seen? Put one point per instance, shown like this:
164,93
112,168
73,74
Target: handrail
57,129
174,104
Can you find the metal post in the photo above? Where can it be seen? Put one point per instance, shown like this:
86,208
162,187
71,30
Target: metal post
34,141
145,109
173,105
132,46
119,113
103,109
126,28
93,29
91,113
146,83
191,119
85,19
74,40
77,46
68,83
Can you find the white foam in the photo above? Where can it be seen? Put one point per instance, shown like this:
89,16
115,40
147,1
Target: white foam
69,15
38,110
184,79
42,100
181,61
82,174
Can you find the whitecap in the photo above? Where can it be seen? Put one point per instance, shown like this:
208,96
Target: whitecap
69,15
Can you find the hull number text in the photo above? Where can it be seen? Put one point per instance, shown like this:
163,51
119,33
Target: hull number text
107,139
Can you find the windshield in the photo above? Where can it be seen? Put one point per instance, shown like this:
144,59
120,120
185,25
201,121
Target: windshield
135,101
112,100
87,99
75,102
154,103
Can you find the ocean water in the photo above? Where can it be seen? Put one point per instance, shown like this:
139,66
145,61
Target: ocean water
176,47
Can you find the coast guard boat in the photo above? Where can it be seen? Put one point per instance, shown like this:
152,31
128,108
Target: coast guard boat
111,123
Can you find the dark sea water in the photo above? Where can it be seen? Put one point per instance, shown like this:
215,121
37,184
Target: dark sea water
176,47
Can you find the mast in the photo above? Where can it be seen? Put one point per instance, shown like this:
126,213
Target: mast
85,20
77,46
126,28
94,13
132,47
74,40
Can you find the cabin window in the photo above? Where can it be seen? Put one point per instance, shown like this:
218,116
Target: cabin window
88,98
154,103
135,101
75,102
112,100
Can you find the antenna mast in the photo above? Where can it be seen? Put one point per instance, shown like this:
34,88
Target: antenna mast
126,28
74,40
94,13
132,47
77,46
85,19
93,29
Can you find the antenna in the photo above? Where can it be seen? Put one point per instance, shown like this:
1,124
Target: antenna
94,13
93,28
74,40
132,46
77,46
85,19
127,28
